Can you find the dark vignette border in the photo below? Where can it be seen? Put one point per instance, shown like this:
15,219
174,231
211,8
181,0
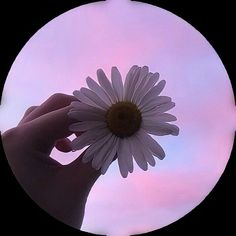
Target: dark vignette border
20,20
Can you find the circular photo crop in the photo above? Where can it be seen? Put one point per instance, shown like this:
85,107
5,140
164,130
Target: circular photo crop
117,118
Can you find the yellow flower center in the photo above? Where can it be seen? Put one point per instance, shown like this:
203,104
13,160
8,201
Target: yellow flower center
123,119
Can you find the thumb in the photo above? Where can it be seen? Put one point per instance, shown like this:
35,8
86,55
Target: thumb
46,129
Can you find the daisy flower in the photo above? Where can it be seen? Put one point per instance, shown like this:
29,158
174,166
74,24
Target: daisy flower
116,120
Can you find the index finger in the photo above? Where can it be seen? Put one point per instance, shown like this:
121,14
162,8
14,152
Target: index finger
54,102
42,132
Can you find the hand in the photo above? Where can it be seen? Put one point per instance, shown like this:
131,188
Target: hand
60,190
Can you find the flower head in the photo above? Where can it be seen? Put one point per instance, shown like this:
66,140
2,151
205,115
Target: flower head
116,119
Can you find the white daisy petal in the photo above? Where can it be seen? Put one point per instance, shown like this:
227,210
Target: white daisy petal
159,109
157,89
84,107
128,155
93,85
154,147
88,158
123,168
140,88
77,104
82,98
163,117
166,117
87,138
137,153
77,94
152,93
117,83
165,107
143,74
101,154
144,71
86,125
145,152
143,87
122,159
132,84
125,159
148,155
94,97
79,143
152,81
112,142
105,83
111,156
127,79
161,129
154,103
88,155
86,116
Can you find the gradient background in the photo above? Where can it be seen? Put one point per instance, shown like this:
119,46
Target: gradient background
60,56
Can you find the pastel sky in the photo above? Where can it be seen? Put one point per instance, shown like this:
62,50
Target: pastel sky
74,45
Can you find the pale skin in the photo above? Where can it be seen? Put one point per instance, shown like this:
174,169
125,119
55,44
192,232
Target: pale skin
60,190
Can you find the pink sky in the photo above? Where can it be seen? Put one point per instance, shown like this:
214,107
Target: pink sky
74,45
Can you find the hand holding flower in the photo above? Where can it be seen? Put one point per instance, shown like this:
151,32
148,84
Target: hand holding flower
61,190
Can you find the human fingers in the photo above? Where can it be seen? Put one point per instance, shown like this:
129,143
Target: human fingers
43,132
54,102
63,145
27,112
